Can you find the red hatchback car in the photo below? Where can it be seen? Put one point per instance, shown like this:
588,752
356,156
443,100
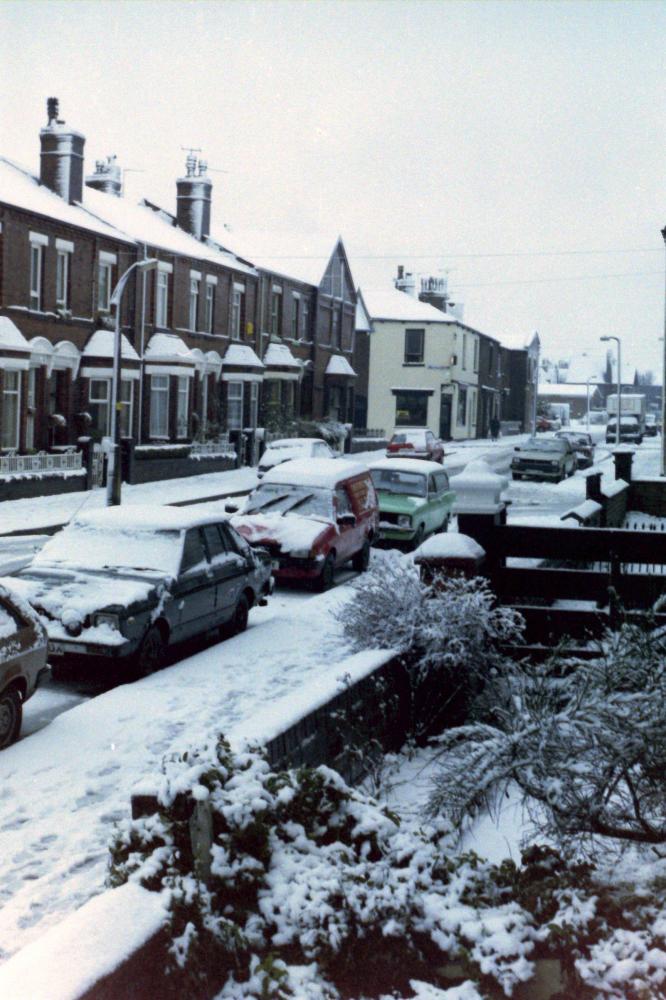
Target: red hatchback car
312,515
416,442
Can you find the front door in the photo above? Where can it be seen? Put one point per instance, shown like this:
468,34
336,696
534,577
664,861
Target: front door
445,416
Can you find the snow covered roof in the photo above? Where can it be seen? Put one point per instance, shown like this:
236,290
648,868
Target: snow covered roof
303,256
279,356
518,341
20,188
386,302
101,344
362,322
168,347
11,338
337,365
136,517
322,472
581,368
145,225
241,355
406,465
565,390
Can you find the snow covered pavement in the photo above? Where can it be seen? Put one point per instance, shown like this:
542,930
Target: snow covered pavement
64,787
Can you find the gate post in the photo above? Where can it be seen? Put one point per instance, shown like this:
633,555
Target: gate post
86,446
481,510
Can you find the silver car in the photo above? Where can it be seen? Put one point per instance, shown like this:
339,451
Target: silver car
23,649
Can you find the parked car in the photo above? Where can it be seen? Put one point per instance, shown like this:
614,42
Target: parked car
287,448
630,430
652,425
544,458
415,442
23,667
414,497
548,423
582,444
312,515
118,586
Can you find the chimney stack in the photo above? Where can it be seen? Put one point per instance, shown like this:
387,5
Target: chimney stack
193,198
405,281
61,158
107,177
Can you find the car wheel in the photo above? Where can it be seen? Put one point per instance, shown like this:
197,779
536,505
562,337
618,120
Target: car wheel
11,714
418,537
152,653
238,621
361,560
325,579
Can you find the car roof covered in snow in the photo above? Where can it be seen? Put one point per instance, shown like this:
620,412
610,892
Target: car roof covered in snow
294,442
407,465
322,472
131,517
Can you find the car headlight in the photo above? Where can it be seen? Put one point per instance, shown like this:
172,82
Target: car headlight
404,521
107,618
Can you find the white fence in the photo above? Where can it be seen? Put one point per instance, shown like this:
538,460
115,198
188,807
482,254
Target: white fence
42,461
220,447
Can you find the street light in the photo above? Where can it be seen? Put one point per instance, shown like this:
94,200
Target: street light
663,388
113,478
619,386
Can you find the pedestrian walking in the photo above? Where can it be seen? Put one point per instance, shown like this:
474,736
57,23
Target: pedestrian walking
494,428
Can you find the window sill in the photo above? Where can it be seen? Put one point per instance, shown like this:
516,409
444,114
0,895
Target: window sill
413,364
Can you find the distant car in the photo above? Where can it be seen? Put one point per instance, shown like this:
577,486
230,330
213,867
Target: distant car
630,430
652,425
23,667
415,442
117,586
415,499
544,458
582,444
287,448
312,515
548,423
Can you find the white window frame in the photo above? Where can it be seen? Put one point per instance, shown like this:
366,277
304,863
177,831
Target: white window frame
209,318
99,400
62,279
104,267
182,406
159,386
235,423
127,405
14,392
254,404
195,286
161,298
475,362
296,316
36,266
305,321
276,310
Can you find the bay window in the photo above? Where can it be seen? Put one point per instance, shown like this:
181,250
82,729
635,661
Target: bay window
234,406
11,408
182,403
159,406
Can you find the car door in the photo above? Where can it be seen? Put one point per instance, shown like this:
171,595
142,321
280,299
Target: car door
434,517
194,590
348,542
232,570
445,496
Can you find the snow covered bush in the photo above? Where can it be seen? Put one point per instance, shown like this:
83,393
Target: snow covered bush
585,741
449,635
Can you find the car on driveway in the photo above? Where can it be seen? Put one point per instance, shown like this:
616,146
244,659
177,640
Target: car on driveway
312,515
286,449
415,499
23,667
117,586
415,442
582,444
544,458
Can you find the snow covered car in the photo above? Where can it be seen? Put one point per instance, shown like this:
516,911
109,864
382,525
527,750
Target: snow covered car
652,427
630,430
312,515
415,499
415,442
582,444
120,585
23,667
544,458
285,449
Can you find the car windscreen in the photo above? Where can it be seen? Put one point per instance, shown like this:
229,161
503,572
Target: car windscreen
8,622
409,437
83,546
406,483
547,444
276,498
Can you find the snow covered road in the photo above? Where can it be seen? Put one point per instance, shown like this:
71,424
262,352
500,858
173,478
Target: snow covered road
64,787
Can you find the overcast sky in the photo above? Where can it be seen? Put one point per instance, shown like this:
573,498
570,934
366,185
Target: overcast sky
518,145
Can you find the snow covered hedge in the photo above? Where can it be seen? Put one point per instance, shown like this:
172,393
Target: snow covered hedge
316,892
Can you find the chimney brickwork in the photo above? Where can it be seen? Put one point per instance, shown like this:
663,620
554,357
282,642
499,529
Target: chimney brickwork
193,199
61,158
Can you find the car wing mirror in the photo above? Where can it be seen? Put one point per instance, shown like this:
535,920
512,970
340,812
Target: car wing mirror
231,507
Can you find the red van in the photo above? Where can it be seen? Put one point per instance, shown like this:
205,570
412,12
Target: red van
312,515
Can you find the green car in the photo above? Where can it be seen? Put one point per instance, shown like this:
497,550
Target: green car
414,498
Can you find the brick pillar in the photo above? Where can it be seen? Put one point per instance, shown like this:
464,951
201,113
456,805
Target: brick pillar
623,461
86,446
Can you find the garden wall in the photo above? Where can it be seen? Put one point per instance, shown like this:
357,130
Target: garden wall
42,485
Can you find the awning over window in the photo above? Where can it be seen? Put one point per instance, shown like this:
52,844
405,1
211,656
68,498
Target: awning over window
98,356
167,354
281,363
241,364
14,348
338,365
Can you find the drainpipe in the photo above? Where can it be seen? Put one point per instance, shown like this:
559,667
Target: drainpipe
142,338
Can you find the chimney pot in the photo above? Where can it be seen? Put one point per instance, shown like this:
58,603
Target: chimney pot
193,198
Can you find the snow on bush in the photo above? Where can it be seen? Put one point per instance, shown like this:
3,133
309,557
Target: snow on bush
584,740
449,634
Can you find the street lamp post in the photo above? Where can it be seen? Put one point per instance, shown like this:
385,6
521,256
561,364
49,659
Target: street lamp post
114,478
663,385
619,386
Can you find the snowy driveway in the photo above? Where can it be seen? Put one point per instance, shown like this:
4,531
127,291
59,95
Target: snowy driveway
63,788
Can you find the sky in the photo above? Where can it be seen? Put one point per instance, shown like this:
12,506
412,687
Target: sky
518,146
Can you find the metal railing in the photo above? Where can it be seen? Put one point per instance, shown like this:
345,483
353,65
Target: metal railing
42,461
220,447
